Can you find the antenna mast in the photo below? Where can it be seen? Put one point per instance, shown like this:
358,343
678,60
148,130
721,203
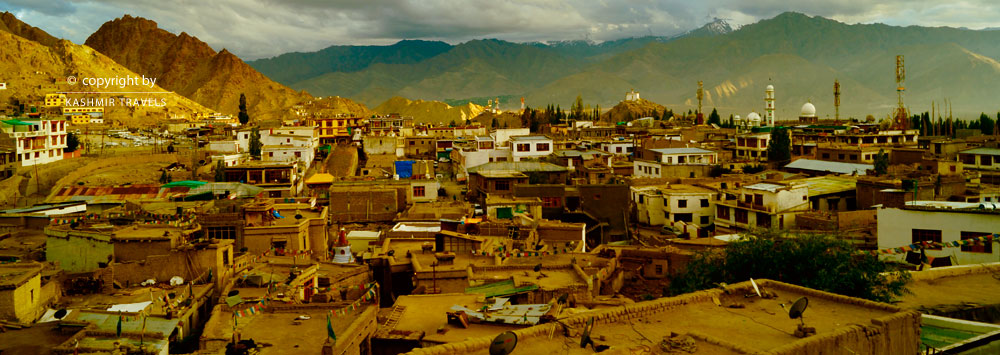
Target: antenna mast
902,116
701,94
836,100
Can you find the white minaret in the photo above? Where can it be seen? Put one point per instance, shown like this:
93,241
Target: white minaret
769,105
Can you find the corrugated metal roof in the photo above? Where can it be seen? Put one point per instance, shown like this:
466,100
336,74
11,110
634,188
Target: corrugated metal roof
825,185
829,166
765,187
522,166
982,151
671,151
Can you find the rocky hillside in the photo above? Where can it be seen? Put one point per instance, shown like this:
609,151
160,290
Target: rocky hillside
188,66
430,111
32,69
10,23
630,110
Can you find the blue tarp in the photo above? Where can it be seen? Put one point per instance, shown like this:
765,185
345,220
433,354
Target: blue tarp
404,169
276,214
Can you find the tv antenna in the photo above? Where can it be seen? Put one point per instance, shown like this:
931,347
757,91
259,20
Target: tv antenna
795,311
585,337
504,343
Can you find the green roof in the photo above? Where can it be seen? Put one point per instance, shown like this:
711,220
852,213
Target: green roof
185,183
17,122
500,289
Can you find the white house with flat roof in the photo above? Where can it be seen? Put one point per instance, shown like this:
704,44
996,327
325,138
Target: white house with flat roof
982,158
680,156
761,205
942,222
527,147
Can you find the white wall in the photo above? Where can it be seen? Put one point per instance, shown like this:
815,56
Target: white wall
895,229
646,169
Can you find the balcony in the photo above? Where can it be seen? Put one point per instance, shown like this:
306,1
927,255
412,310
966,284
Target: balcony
753,206
29,134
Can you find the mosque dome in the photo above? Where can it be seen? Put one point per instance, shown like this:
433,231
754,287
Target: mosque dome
753,116
769,88
808,110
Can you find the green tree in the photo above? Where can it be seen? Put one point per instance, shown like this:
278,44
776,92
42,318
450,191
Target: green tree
243,116
816,261
451,124
714,118
779,149
881,162
72,142
220,171
986,124
255,144
576,111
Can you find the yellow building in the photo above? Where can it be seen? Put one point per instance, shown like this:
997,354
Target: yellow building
75,110
337,129
80,119
21,292
55,100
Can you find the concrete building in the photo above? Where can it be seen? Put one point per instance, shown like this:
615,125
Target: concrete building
529,147
941,222
278,179
982,158
659,205
752,146
618,147
40,141
761,205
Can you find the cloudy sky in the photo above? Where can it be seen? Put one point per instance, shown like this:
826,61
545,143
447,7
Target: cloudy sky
263,28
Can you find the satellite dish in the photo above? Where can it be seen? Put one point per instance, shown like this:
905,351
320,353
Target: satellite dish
585,337
60,314
504,343
755,288
798,307
233,293
538,267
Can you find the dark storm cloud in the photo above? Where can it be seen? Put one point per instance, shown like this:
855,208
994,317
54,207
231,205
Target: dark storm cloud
259,28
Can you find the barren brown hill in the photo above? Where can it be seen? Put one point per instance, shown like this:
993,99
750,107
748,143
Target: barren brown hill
630,110
430,111
190,67
10,23
32,69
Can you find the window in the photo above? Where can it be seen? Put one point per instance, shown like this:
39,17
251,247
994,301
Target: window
928,235
968,159
986,160
854,157
683,217
758,199
722,212
763,220
977,247
523,147
413,142
501,185
418,191
742,216
840,156
704,202
221,232
557,202
542,147
659,269
826,155
704,219
618,149
682,203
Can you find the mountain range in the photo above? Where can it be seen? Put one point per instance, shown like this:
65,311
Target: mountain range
800,55
34,63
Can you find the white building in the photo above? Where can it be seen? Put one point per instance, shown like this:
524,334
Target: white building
752,146
632,95
769,105
681,156
288,154
3,86
523,147
943,222
39,141
659,205
761,205
618,147
501,137
982,158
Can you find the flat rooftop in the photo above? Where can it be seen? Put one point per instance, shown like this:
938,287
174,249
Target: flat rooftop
759,325
427,313
953,285
283,332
